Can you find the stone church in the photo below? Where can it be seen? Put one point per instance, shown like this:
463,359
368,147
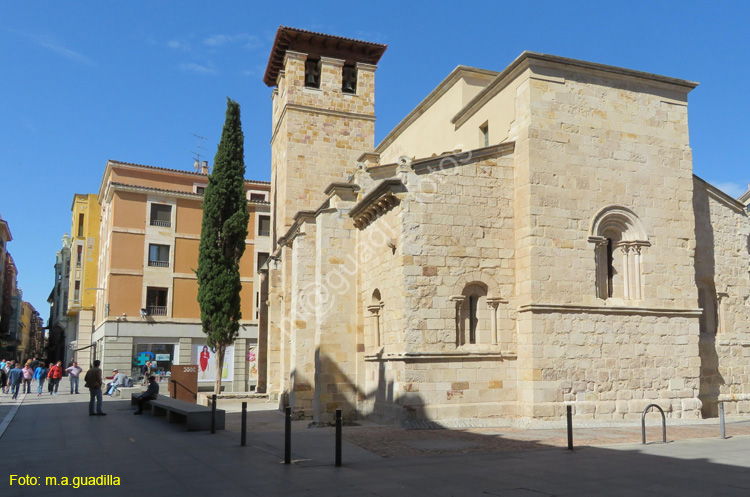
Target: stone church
521,241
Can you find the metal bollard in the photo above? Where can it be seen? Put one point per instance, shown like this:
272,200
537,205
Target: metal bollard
721,421
243,437
570,427
338,437
288,435
213,414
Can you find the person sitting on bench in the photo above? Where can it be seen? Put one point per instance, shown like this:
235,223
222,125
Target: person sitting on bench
119,380
150,394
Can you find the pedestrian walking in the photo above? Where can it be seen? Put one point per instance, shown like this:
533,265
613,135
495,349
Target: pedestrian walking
93,381
3,380
40,375
15,377
54,376
73,373
28,375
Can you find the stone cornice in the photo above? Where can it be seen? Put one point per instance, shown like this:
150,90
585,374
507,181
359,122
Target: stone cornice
527,59
345,191
442,356
594,309
434,96
721,197
300,218
380,200
432,164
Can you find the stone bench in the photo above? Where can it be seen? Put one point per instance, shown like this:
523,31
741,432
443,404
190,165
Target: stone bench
196,417
146,405
126,392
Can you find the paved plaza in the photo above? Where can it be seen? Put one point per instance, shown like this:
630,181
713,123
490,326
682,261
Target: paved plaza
53,436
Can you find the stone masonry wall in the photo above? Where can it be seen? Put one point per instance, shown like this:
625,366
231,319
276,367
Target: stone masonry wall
721,268
611,366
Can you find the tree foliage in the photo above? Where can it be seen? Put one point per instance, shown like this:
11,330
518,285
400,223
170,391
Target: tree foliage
223,234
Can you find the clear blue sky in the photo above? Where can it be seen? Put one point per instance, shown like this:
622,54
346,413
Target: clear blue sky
83,82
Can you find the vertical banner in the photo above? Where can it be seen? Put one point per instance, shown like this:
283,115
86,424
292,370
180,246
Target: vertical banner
252,364
205,358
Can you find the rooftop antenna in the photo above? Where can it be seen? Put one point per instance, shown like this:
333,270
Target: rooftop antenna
197,154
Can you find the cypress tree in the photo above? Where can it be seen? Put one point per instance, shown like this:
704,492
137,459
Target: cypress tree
223,234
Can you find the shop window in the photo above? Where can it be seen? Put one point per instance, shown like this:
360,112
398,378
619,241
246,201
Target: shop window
161,215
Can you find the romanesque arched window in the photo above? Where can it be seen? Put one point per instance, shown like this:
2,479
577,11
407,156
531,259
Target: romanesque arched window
619,238
375,308
475,315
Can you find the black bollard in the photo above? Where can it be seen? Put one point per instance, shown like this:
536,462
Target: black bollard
338,437
288,435
213,414
243,437
570,427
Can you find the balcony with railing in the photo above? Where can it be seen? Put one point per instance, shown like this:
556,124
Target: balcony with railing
161,223
156,310
264,233
155,263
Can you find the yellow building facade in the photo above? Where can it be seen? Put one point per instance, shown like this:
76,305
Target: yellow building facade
146,292
84,255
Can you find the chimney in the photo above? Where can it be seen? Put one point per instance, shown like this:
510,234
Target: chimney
204,167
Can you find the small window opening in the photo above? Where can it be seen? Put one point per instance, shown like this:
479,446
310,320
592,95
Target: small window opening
158,255
257,197
161,215
79,255
262,258
264,225
484,130
473,299
610,270
80,224
156,301
312,73
349,80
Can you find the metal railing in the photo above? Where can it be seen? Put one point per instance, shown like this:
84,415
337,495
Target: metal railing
157,310
264,233
157,222
158,263
663,423
178,384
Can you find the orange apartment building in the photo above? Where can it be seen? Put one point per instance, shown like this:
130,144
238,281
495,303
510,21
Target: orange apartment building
146,304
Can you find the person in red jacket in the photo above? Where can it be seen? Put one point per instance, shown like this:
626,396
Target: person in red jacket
55,375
